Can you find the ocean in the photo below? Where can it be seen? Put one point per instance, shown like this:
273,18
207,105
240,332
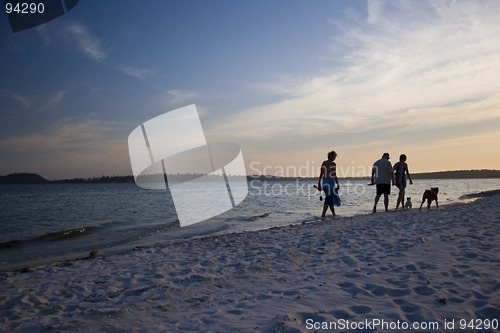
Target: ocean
40,224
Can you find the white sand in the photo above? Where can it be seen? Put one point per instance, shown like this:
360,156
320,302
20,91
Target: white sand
410,266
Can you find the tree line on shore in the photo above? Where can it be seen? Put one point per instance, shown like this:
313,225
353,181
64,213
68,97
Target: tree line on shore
32,178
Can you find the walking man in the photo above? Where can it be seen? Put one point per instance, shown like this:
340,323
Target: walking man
382,176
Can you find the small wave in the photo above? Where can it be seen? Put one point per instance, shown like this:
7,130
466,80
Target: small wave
151,231
256,217
49,237
64,235
10,244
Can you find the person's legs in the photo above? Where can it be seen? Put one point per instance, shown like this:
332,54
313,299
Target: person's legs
377,197
328,186
332,209
386,202
401,197
325,207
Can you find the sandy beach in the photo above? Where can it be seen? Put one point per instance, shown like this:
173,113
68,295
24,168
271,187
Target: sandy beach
429,270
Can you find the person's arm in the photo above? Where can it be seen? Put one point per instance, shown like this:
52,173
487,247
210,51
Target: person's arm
321,174
335,179
392,177
373,174
408,173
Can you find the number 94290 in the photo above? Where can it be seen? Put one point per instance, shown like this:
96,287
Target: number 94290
24,8
479,324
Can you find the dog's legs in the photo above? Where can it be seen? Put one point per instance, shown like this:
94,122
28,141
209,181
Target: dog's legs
437,206
423,200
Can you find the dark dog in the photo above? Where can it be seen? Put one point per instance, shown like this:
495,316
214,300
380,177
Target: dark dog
430,195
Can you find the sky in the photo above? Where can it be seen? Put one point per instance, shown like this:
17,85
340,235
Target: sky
287,81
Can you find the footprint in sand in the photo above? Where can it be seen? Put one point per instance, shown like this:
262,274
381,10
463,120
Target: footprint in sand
376,290
488,312
411,311
263,297
423,290
351,288
360,309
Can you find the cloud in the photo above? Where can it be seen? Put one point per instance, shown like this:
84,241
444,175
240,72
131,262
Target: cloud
65,135
285,84
22,100
175,98
56,99
44,34
408,65
51,101
77,34
35,102
86,42
136,72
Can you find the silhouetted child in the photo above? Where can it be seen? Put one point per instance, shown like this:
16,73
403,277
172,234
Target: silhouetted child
400,173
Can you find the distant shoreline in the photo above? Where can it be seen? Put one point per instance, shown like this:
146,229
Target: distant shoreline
32,178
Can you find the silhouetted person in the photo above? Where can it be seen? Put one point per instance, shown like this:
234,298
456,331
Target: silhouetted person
382,176
400,173
326,181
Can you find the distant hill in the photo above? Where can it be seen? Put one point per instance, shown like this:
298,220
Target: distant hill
23,178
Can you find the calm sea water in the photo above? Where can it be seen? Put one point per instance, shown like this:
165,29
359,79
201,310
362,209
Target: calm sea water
45,223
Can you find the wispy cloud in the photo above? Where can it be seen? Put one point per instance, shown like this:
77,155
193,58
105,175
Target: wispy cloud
77,34
174,98
52,101
65,135
44,34
56,99
179,96
86,42
140,73
22,100
285,84
409,65
35,102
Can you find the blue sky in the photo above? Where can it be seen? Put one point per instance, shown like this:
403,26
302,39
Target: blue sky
287,81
